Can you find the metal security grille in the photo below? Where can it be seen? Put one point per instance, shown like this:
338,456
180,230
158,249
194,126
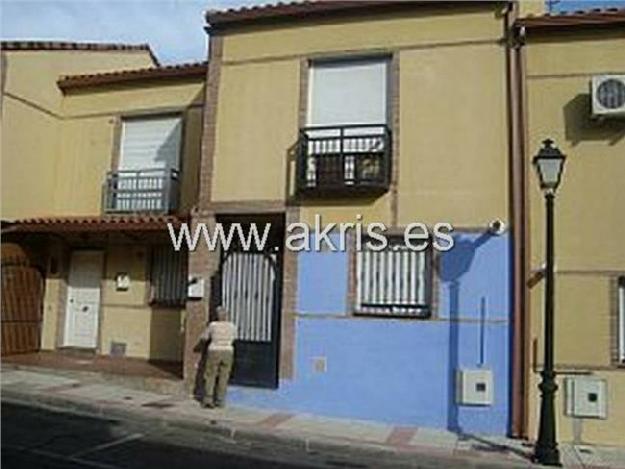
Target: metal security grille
395,281
347,157
168,276
248,293
145,190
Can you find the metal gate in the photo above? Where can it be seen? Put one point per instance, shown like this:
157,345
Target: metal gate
250,291
22,299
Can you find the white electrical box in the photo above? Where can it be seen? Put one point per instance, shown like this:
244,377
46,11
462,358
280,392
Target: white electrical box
474,387
586,397
195,288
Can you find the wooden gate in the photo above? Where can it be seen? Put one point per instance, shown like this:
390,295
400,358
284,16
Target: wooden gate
22,300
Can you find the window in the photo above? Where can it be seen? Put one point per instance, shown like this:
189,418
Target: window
147,175
396,281
346,142
621,319
168,276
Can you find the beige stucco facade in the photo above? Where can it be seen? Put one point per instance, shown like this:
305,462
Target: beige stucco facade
69,140
56,150
443,58
590,221
32,117
127,317
450,118
90,135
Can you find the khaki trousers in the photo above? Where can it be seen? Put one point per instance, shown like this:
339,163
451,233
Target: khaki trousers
217,371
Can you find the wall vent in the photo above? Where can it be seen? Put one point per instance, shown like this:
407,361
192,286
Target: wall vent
118,349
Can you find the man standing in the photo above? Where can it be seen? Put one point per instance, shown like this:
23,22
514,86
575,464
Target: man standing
220,335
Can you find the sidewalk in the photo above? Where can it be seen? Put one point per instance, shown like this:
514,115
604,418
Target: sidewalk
82,395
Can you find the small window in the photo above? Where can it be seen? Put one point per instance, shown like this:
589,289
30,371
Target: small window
168,276
621,319
396,281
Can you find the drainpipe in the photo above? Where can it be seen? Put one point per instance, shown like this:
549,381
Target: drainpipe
517,183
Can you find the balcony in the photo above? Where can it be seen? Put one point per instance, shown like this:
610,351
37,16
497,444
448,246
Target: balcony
142,190
344,160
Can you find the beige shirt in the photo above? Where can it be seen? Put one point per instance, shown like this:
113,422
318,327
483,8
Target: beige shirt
221,335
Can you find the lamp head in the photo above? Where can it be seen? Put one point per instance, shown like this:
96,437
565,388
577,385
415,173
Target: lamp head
549,163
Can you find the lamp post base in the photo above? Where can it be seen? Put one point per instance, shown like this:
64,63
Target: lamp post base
547,456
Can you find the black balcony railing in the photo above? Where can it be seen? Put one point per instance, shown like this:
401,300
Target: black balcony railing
141,190
344,160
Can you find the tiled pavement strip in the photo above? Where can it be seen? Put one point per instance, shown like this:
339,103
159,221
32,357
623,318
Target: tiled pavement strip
115,401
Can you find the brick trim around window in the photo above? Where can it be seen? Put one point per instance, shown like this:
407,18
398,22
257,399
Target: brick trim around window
617,317
432,266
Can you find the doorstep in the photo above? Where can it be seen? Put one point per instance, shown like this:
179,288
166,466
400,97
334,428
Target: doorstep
131,373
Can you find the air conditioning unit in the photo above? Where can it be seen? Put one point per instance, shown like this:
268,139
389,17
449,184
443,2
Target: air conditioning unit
608,95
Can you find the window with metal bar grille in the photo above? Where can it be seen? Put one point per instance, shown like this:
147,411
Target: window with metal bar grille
396,281
168,276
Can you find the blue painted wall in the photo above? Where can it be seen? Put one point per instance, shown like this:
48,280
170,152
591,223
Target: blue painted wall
322,281
397,370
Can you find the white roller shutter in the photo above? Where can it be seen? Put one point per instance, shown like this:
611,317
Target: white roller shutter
350,92
150,143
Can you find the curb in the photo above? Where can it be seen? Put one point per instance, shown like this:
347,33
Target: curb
111,411
245,434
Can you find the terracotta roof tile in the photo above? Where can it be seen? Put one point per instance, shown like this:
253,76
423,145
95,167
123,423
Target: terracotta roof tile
92,224
18,45
188,70
221,18
565,19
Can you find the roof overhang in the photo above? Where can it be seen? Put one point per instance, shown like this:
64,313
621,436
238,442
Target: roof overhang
170,72
95,224
33,45
222,19
592,19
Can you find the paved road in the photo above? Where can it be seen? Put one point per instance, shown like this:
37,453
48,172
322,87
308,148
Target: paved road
39,438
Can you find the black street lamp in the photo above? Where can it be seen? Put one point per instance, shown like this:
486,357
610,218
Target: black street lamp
549,163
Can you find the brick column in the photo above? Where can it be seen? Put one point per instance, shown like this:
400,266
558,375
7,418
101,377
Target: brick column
395,118
289,304
203,263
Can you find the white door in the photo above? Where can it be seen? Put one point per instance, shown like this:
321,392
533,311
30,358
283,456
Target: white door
83,299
